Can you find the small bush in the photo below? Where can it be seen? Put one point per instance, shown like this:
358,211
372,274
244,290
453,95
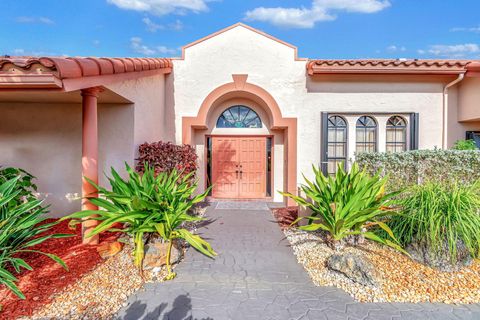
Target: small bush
345,205
465,145
435,213
410,168
147,204
22,226
166,157
25,186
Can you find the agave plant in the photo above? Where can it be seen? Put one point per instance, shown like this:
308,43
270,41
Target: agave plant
349,204
21,228
147,203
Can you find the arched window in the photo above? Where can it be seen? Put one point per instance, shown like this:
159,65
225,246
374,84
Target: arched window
396,134
337,143
366,135
239,117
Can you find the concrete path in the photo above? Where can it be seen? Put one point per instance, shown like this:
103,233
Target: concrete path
256,276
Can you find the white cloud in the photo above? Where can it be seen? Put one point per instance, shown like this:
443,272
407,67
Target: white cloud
36,53
177,25
152,26
321,10
452,51
395,48
471,29
43,20
162,7
137,45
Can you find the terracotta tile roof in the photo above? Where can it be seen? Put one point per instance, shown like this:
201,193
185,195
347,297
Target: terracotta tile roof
72,67
399,66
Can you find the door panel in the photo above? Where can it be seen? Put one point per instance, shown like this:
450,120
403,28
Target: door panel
239,167
224,167
252,159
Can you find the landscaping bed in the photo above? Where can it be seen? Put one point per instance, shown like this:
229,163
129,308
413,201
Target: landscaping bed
48,278
399,278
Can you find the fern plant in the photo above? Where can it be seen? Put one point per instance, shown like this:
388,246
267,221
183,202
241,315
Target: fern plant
349,204
22,226
145,204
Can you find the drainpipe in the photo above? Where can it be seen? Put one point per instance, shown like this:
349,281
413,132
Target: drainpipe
445,109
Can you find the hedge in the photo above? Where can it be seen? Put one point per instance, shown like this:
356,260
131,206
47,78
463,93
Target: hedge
166,156
419,166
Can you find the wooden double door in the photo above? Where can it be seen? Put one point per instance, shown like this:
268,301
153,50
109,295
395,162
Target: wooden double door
239,167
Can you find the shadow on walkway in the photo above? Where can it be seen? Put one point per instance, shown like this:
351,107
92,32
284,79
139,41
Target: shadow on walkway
180,310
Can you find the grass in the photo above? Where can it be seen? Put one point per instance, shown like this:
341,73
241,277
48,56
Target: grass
439,214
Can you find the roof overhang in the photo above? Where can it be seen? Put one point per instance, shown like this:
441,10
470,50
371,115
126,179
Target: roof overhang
392,67
70,74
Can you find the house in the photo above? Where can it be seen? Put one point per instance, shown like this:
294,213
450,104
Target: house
258,115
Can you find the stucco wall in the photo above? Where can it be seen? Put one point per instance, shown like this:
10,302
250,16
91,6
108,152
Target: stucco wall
148,95
45,139
469,100
211,63
271,65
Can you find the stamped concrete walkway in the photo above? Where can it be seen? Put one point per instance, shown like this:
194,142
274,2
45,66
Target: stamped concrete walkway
256,276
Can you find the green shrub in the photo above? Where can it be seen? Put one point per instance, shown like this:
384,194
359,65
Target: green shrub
410,168
22,226
25,186
147,203
345,205
465,145
436,213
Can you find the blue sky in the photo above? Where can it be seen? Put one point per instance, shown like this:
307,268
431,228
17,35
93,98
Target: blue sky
319,28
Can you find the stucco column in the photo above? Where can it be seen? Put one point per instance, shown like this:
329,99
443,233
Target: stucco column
89,156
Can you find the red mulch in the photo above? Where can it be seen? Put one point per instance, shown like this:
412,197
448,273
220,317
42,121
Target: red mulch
285,216
48,277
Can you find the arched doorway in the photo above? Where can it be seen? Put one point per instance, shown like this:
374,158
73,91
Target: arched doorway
240,92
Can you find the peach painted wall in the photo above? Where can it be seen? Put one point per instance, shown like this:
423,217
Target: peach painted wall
45,139
469,100
148,95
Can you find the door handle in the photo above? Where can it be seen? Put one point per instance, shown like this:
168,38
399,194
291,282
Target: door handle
241,174
236,171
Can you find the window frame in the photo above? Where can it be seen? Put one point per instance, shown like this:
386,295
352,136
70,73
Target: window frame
238,119
395,143
365,129
335,143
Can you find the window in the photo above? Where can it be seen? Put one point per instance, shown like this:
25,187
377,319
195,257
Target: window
337,143
396,134
239,117
366,135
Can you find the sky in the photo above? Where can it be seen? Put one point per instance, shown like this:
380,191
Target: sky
324,29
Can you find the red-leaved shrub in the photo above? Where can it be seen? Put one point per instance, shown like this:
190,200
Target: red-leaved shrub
166,156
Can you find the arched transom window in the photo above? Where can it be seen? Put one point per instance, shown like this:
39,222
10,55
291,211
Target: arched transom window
366,135
239,117
396,134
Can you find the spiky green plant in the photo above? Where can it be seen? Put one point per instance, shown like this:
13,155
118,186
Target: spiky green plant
439,214
349,204
22,226
146,204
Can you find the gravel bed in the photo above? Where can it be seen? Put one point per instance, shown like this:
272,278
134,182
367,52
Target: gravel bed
103,291
399,278
99,294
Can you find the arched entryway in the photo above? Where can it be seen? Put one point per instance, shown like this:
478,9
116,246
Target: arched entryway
240,92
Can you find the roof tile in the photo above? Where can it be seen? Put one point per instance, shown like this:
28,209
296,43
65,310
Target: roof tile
398,66
77,67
